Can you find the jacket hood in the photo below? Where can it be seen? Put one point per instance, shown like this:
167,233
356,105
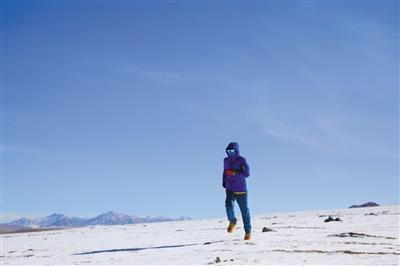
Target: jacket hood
235,146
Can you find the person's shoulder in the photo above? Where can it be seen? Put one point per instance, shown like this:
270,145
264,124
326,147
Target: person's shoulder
242,158
226,158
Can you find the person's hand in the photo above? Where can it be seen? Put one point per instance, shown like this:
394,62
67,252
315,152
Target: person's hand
231,172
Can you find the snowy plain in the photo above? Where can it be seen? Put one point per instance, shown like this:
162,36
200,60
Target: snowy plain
300,238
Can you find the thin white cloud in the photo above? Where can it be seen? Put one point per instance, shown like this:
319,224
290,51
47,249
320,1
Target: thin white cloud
333,133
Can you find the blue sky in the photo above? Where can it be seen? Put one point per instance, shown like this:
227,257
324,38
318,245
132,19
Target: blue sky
128,106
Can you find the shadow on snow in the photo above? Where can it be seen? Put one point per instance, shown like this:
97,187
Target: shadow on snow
132,249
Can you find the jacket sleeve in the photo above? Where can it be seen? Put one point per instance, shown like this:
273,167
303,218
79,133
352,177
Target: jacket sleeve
245,168
223,177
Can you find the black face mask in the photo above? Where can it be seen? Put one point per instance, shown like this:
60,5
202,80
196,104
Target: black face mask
231,152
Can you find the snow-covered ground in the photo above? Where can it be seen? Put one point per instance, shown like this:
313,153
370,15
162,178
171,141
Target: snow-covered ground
300,238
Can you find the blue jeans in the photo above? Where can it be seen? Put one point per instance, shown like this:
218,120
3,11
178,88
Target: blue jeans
244,209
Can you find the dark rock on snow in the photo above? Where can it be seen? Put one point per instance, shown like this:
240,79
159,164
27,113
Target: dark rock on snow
368,204
266,229
330,219
358,235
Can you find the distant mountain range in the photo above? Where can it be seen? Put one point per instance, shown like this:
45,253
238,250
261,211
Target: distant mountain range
108,218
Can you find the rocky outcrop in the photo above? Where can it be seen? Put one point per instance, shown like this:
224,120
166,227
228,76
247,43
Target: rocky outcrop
368,204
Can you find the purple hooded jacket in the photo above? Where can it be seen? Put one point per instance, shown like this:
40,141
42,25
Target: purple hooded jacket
235,183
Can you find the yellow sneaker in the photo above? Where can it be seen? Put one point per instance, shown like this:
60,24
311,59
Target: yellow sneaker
230,227
247,236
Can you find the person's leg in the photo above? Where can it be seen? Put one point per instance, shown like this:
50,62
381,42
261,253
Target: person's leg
244,209
229,201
